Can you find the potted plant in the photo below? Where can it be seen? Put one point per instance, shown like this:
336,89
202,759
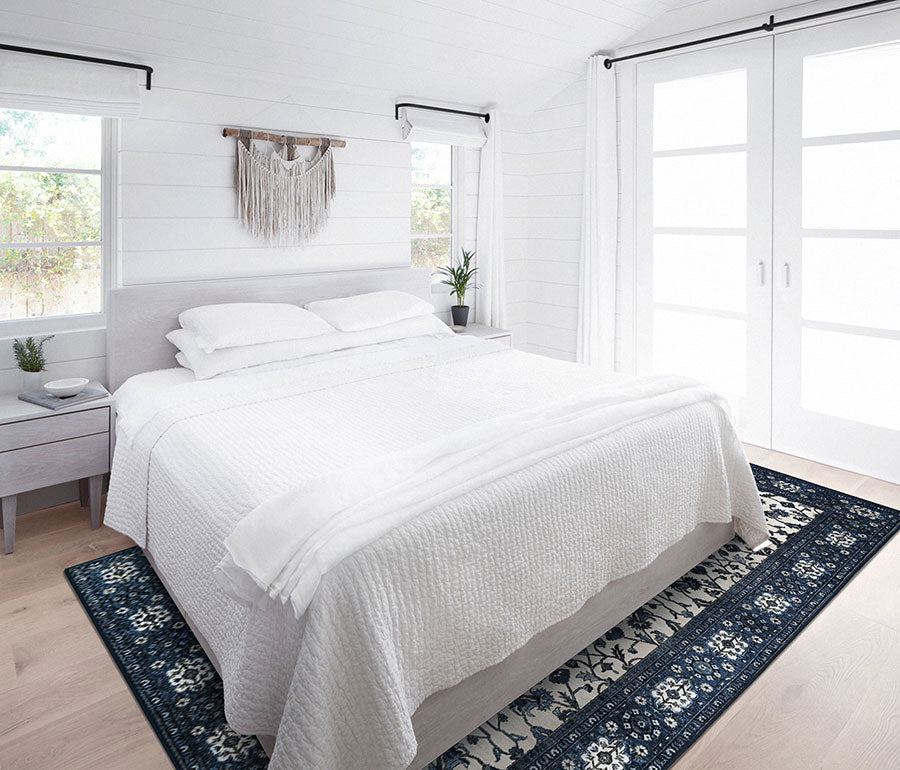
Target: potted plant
460,278
31,360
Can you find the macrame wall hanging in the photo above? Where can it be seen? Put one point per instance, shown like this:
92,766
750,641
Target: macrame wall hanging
283,198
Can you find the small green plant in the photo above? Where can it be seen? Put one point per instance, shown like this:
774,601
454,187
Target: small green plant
460,277
29,353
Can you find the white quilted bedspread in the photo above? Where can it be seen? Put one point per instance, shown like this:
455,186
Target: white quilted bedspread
442,594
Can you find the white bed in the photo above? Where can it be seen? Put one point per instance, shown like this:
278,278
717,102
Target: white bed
421,628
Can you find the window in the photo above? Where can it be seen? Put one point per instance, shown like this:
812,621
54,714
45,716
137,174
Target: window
433,204
51,214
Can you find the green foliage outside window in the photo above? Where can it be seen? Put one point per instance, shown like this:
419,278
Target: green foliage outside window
431,214
52,207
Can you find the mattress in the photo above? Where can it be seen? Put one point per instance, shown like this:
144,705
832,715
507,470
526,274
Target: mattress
440,596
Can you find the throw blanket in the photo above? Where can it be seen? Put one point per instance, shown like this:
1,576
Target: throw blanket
437,596
284,547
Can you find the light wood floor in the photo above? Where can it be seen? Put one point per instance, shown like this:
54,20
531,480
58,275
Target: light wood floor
831,700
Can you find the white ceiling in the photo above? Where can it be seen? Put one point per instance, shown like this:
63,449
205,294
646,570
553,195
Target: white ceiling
698,14
517,53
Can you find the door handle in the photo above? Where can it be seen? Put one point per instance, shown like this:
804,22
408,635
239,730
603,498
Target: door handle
787,275
762,273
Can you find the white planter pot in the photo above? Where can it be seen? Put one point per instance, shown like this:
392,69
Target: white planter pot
32,381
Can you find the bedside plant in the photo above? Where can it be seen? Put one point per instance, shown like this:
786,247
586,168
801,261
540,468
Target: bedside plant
31,360
460,278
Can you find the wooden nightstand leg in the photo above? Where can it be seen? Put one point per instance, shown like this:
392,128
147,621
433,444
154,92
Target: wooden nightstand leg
83,498
95,488
9,522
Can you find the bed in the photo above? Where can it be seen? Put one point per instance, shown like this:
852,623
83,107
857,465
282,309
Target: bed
418,627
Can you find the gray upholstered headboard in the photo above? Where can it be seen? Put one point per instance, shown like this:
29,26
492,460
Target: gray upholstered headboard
139,317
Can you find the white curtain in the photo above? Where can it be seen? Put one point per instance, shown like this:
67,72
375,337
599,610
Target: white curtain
45,84
597,279
490,308
420,125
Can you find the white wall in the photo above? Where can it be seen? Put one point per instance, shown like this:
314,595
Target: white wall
177,205
543,170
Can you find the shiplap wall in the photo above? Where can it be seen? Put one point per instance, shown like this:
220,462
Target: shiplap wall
543,170
544,188
176,203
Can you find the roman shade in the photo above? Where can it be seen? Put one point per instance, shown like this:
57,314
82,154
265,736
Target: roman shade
420,125
45,84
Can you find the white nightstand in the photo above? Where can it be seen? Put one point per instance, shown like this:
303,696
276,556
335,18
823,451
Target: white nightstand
485,332
40,447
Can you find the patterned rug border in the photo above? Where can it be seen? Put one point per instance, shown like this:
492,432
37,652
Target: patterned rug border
143,700
733,596
804,492
827,491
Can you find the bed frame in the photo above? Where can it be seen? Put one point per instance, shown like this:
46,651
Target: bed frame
139,317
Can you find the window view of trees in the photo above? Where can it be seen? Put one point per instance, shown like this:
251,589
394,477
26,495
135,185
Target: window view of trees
432,204
50,255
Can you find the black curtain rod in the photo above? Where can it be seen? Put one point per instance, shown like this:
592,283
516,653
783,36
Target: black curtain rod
485,116
767,26
77,57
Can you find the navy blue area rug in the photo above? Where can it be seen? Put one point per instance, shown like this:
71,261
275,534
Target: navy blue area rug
638,697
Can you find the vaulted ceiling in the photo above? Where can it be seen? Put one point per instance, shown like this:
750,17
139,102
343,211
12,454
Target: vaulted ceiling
517,53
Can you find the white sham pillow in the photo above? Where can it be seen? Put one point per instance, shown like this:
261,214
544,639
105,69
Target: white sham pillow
206,365
234,324
366,311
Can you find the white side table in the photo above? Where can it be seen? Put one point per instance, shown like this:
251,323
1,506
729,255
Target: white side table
485,333
40,447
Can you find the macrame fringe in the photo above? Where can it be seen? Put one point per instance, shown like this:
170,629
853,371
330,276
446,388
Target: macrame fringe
283,200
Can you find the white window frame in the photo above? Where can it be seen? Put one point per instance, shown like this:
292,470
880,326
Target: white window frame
36,325
456,180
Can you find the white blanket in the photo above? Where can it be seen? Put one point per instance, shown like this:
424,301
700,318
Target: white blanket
405,610
284,547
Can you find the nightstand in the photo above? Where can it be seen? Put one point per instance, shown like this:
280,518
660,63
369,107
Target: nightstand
485,332
40,447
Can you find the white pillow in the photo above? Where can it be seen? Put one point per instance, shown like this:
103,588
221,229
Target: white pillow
366,311
182,360
206,365
250,323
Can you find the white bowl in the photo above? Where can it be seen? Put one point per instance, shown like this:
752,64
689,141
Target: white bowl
66,388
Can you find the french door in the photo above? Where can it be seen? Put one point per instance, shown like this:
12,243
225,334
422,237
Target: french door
704,215
768,228
836,349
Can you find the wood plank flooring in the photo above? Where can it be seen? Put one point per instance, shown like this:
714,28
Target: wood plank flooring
831,700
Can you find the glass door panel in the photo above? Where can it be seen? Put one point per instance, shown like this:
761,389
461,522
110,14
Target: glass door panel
703,223
836,347
851,281
704,191
852,186
700,271
683,342
701,111
863,388
851,91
